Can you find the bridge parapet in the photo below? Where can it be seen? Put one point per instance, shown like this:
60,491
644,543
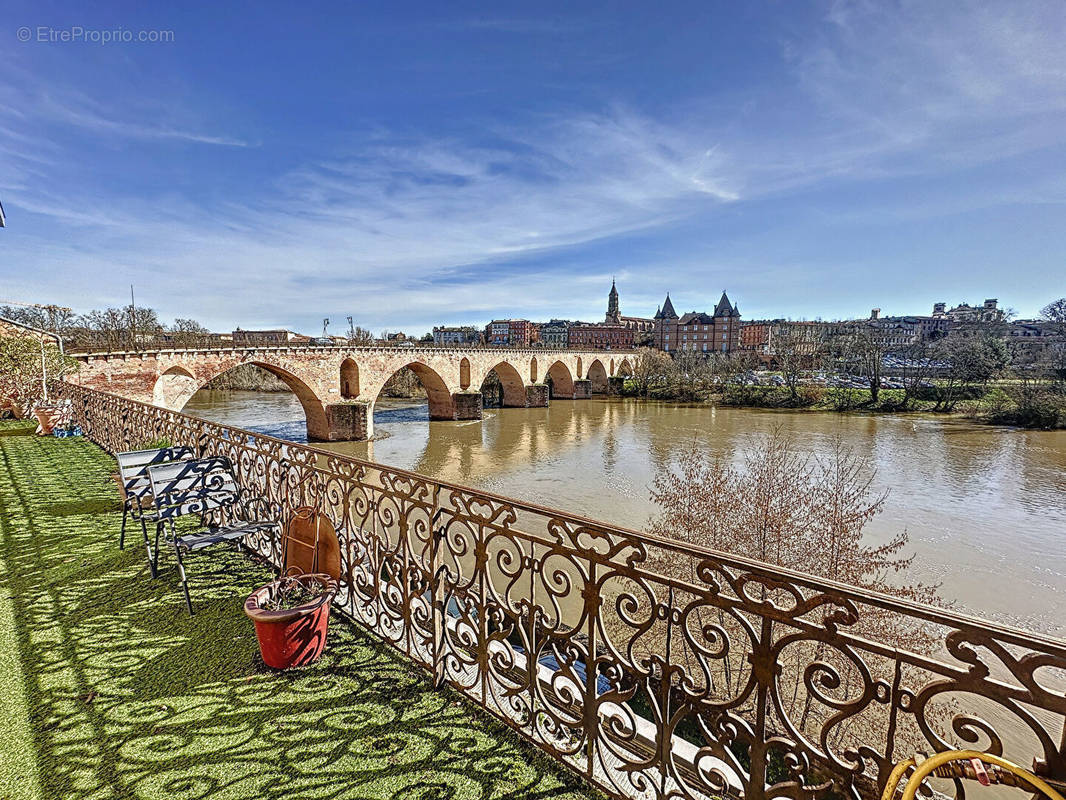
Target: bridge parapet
532,351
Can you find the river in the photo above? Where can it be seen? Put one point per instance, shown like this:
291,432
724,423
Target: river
984,507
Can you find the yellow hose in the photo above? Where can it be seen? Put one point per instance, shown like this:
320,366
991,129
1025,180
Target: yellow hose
923,770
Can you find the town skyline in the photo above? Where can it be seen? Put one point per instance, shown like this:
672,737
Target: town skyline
457,165
704,300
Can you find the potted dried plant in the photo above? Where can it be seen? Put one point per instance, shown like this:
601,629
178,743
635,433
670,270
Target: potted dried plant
291,617
291,614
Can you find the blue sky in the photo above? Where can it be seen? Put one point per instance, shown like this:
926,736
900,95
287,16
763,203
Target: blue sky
421,163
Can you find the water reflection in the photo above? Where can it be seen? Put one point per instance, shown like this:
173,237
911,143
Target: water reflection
985,507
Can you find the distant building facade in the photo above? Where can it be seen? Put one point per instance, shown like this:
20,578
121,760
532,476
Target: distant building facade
697,331
555,333
276,337
511,333
523,333
497,332
455,335
989,311
1032,341
601,337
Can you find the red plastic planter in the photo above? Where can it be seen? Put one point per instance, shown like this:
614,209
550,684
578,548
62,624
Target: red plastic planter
296,636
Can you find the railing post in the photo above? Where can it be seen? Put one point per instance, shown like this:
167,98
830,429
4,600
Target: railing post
590,713
437,570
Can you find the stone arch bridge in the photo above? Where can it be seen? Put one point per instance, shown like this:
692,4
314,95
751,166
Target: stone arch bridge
338,386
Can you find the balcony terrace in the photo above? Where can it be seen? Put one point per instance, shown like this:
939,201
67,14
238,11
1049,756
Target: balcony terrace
652,668
109,689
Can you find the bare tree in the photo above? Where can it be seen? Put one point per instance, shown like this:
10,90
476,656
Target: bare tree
691,376
970,358
51,318
795,352
650,368
866,354
916,368
188,332
1055,311
788,508
360,337
27,365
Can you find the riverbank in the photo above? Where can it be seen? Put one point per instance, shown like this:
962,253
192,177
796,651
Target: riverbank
1040,409
109,689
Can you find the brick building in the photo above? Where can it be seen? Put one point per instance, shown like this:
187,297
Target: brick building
601,337
697,331
511,333
523,333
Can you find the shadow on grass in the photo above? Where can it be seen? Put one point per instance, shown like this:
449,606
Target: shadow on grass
23,430
131,697
101,505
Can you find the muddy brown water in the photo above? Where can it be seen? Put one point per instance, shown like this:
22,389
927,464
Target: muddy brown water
984,507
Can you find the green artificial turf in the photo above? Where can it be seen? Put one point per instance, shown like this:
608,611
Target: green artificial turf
109,689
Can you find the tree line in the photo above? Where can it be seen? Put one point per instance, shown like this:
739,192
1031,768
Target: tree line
110,328
128,327
977,368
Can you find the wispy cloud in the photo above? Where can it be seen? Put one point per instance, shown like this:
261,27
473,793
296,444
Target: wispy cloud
403,223
83,115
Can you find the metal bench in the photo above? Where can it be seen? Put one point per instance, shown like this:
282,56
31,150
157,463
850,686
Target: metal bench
136,488
206,487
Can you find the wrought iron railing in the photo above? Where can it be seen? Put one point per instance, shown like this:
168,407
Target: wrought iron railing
654,668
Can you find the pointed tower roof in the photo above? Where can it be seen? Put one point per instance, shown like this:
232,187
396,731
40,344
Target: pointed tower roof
724,308
668,309
614,289
736,311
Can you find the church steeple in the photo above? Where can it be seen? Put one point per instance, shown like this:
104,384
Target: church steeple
613,314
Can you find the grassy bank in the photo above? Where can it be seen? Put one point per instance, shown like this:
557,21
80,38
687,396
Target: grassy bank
994,405
110,690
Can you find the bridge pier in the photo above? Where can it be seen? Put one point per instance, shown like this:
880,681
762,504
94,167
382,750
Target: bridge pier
465,405
343,422
537,396
616,384
582,389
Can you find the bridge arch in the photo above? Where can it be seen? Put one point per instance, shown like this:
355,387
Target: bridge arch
561,380
174,387
441,404
625,368
514,388
349,379
597,375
